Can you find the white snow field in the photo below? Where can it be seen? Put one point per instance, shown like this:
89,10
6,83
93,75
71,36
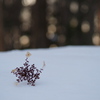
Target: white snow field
71,73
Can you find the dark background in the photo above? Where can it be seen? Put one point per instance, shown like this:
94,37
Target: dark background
48,23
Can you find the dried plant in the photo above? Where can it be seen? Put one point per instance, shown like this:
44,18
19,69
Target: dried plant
27,72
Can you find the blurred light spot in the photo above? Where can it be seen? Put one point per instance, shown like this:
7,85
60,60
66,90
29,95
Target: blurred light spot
74,7
8,2
50,36
84,8
96,40
53,45
96,21
51,1
61,39
52,20
28,2
51,28
24,41
74,22
16,44
50,9
26,26
85,27
25,14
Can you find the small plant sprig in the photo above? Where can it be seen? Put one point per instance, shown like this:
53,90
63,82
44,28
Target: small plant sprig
27,72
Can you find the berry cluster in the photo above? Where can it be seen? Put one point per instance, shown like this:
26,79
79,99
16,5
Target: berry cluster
27,72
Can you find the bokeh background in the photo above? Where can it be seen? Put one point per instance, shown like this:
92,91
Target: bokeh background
48,23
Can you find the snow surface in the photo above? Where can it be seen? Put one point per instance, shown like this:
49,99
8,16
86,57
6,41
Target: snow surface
71,73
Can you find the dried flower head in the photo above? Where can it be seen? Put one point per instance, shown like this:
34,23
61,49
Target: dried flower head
27,72
16,83
28,54
43,64
13,70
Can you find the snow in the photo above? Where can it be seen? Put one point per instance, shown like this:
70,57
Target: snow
71,73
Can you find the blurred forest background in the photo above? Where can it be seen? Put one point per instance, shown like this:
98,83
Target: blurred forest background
48,23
